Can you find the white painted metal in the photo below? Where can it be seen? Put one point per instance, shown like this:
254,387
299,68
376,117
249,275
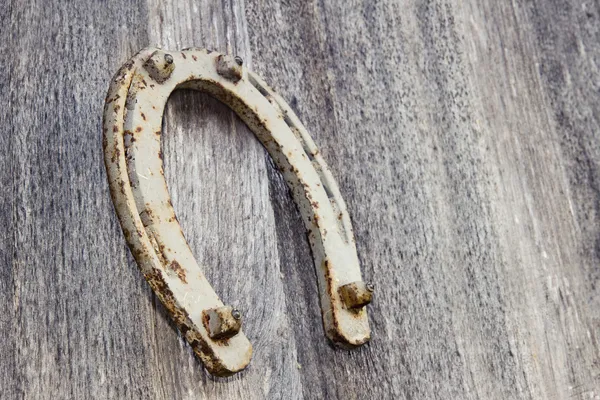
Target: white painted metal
132,129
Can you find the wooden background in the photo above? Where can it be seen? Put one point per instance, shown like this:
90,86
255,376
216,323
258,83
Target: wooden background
465,136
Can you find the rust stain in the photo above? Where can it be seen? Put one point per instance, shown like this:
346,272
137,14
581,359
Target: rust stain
179,270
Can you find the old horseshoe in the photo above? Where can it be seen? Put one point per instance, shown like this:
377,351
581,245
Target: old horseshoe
132,123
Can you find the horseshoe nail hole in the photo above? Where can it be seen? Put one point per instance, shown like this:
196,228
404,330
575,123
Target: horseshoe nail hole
327,190
305,147
289,123
261,89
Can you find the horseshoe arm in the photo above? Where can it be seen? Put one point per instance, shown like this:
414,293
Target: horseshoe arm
132,129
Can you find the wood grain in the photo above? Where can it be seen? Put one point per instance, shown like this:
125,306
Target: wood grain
466,141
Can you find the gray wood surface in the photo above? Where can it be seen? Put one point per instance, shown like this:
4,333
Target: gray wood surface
465,136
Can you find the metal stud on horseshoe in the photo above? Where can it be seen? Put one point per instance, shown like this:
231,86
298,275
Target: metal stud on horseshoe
132,124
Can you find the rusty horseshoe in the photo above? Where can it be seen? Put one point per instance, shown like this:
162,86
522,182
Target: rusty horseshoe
132,123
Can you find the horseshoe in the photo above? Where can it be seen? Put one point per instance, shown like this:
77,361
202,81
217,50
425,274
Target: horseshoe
132,123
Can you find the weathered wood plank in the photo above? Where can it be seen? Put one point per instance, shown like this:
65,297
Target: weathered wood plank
466,141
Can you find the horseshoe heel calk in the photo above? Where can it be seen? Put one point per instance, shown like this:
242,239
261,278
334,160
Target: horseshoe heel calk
132,130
